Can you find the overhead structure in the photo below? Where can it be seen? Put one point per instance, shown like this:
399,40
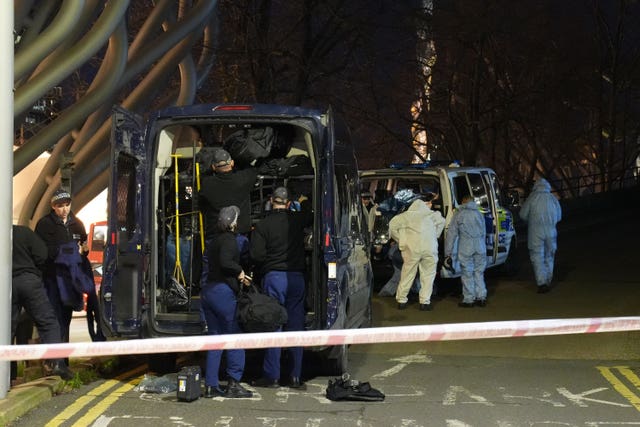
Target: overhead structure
86,56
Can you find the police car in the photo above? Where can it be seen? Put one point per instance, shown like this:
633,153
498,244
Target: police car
450,182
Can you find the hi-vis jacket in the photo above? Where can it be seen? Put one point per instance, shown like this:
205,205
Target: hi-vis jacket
417,228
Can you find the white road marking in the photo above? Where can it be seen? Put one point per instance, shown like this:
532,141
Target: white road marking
580,399
451,397
546,398
419,357
271,421
103,421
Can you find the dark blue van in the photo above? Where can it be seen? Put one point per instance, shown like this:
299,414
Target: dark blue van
152,261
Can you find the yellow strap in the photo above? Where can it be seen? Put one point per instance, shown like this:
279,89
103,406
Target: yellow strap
199,211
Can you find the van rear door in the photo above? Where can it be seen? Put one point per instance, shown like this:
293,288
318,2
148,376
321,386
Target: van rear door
125,256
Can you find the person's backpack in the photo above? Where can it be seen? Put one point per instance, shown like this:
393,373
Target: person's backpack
248,145
344,388
258,312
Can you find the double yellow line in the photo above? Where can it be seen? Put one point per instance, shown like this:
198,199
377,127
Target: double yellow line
132,378
628,387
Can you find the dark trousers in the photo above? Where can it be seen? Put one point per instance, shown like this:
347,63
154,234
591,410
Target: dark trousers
93,318
28,292
63,313
287,287
218,304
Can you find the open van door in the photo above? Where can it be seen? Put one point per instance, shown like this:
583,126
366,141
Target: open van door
476,183
128,223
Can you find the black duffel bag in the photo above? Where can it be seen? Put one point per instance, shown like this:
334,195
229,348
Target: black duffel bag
344,388
248,145
258,312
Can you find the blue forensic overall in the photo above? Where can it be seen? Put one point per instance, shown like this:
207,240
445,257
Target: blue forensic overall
468,228
542,212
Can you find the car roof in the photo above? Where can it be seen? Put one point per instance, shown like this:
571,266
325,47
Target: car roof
416,171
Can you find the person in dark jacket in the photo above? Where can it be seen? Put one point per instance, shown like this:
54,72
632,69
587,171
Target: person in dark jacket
277,248
226,186
218,298
27,291
66,275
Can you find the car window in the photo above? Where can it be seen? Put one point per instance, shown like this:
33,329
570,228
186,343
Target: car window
478,190
496,188
460,188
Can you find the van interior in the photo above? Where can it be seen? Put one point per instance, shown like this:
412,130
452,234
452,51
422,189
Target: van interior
183,158
384,188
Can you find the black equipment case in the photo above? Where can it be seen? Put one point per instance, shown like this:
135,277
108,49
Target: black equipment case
189,384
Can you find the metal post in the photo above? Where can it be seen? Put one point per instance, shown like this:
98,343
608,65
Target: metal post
6,165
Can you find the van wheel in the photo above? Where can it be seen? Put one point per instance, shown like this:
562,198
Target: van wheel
162,363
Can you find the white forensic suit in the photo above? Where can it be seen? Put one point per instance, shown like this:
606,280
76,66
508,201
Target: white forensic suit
542,212
416,231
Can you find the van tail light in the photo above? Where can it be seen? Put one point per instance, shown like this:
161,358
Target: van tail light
114,238
332,271
327,240
233,108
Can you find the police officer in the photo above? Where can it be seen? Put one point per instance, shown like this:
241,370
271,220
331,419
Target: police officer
226,186
66,238
277,248
219,305
27,290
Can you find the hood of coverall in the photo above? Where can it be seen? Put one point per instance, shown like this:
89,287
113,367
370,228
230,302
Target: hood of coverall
470,205
541,185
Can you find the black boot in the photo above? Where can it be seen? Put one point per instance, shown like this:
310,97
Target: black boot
265,383
296,383
211,391
61,369
235,390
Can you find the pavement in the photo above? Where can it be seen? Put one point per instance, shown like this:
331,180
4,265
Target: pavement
605,290
22,398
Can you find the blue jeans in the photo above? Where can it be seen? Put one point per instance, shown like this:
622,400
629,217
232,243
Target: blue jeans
289,289
219,307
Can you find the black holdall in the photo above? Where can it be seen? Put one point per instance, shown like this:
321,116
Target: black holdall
247,145
344,388
258,312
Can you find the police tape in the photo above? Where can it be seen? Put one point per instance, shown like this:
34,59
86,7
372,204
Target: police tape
417,333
